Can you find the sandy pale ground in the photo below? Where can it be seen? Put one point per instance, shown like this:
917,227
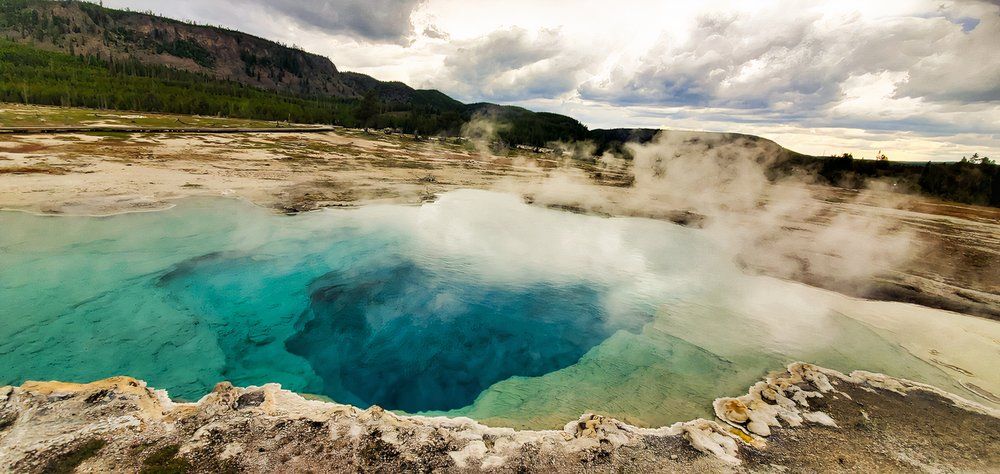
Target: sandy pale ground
86,174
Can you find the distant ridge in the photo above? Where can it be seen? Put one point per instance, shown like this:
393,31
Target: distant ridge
82,28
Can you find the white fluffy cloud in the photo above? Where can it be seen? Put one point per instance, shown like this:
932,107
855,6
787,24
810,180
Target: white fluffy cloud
807,59
921,76
512,64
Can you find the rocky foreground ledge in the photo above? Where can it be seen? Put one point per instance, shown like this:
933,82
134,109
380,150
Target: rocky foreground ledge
806,418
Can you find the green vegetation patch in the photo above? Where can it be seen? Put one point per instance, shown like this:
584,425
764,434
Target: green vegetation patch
165,461
68,461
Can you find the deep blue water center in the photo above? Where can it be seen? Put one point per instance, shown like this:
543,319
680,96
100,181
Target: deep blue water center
401,336
384,330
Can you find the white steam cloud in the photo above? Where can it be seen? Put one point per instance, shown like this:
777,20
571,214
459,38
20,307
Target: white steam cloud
721,183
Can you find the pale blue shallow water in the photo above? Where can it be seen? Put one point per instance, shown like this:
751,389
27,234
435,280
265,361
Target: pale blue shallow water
475,305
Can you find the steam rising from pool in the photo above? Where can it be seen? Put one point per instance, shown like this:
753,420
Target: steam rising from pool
476,305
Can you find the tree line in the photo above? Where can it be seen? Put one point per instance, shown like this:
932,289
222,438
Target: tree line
974,180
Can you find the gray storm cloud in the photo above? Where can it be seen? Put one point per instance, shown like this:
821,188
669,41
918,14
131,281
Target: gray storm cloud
386,21
375,20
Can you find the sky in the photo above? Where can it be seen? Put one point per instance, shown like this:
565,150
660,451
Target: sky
919,80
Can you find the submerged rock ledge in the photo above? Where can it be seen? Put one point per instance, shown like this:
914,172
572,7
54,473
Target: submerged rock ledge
806,417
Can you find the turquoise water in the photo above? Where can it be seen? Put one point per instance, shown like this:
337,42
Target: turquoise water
475,305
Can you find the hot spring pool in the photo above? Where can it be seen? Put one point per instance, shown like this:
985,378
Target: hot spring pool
475,305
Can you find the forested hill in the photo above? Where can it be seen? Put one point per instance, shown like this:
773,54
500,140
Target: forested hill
74,53
86,29
108,58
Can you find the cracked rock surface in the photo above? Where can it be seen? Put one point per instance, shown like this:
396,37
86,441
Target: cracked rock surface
805,418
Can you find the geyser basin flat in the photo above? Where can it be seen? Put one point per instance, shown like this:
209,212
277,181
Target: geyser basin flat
475,305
